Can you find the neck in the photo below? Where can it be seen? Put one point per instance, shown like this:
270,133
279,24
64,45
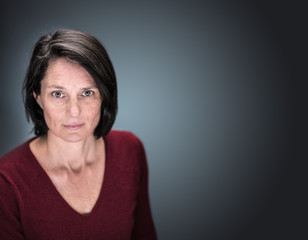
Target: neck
70,156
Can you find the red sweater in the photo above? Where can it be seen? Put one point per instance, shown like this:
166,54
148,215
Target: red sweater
31,207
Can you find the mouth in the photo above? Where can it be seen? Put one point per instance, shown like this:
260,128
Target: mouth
73,126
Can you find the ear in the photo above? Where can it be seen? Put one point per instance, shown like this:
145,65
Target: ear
38,99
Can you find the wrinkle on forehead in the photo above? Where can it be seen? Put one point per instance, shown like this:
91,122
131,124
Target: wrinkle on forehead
61,72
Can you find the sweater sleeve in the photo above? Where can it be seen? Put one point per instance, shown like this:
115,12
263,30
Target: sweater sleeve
10,224
144,227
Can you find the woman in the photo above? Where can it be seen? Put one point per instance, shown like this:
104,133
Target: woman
76,179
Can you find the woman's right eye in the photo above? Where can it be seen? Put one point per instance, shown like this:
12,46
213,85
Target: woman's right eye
57,94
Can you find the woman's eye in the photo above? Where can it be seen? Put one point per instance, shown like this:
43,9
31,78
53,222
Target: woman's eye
57,94
87,93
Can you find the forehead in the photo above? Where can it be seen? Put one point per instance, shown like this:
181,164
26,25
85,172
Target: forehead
65,72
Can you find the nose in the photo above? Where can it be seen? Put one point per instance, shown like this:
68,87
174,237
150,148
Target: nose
74,108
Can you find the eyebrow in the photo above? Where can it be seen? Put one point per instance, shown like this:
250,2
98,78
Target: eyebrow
54,86
59,87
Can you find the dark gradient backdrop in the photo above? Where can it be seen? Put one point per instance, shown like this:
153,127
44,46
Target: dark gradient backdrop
210,89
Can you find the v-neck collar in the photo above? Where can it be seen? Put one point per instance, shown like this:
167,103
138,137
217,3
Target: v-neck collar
47,180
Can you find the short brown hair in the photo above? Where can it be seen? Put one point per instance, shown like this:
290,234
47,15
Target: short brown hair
87,51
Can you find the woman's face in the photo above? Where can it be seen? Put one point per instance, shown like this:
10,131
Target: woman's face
70,101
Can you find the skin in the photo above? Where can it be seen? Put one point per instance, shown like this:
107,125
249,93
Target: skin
70,101
71,156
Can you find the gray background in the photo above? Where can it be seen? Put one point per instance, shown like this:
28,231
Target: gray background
208,86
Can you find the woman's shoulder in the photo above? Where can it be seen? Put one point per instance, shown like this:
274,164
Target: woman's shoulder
123,137
16,157
123,142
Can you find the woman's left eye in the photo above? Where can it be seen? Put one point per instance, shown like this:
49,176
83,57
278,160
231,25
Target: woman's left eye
87,93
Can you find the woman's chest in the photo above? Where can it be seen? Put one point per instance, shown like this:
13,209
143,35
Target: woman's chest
48,215
79,192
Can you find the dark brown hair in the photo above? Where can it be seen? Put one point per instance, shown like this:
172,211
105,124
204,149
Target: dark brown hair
87,51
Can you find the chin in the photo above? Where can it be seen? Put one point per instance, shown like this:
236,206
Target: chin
74,138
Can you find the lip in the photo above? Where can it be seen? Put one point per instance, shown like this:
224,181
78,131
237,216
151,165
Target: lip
73,126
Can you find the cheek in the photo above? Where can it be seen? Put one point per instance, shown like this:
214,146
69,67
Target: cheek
52,114
93,112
